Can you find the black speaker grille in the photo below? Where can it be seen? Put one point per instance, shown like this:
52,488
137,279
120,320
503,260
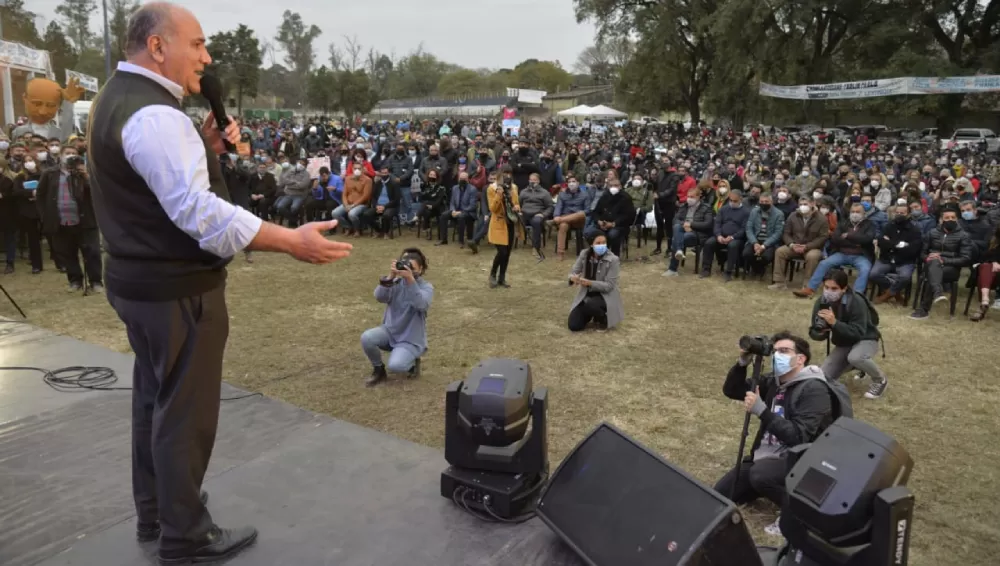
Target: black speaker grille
815,486
620,505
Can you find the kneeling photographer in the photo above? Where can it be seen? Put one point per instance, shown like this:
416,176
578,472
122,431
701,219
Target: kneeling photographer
851,324
794,404
403,332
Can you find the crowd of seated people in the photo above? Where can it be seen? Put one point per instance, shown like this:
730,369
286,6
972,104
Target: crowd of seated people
761,204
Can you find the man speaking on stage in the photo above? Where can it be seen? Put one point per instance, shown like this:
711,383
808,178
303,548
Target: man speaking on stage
162,205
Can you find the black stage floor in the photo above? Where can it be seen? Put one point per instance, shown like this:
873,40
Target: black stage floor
320,491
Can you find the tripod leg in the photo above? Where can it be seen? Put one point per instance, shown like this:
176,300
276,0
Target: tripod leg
13,302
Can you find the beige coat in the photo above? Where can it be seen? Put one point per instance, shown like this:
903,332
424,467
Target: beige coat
606,283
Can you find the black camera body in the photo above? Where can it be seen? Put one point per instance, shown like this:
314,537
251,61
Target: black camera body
820,325
757,345
402,265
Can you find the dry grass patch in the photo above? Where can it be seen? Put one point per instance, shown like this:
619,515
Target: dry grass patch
658,377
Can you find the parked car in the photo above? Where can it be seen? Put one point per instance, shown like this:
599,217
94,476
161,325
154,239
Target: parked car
982,138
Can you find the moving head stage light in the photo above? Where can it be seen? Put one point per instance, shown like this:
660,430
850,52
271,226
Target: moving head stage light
616,503
495,441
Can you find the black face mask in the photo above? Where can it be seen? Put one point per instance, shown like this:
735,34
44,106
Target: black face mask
901,220
950,225
765,207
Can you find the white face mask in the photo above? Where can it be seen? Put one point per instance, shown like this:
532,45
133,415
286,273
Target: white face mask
804,209
825,211
300,167
817,195
4,145
30,166
782,196
54,149
42,155
614,190
286,165
637,183
875,183
357,172
805,172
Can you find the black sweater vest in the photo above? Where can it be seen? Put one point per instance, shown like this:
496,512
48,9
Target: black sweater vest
149,258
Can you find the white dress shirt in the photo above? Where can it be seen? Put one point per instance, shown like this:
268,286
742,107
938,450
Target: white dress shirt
164,148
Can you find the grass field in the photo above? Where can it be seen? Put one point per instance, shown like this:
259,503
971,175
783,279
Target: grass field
295,336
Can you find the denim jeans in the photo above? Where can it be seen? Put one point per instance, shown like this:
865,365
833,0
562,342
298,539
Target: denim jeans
859,262
289,206
679,242
353,217
376,340
891,277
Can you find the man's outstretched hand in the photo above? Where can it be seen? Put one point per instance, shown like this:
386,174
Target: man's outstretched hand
311,246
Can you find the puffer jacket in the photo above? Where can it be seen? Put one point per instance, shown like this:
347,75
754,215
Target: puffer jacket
955,248
642,197
703,222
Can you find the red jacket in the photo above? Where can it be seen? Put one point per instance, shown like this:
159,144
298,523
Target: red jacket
686,184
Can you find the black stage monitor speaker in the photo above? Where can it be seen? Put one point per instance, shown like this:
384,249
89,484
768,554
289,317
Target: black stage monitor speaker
616,503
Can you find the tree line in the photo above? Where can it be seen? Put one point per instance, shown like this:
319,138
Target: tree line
709,56
287,70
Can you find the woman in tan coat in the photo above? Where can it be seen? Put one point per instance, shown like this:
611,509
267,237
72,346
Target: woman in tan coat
504,219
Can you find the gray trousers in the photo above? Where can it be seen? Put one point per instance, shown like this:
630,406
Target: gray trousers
859,356
176,384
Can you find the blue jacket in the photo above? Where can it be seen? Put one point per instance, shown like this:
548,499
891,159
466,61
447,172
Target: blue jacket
464,201
731,221
593,195
775,226
334,189
569,203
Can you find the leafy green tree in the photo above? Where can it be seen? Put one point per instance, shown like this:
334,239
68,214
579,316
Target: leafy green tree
461,82
321,89
61,53
542,75
19,24
119,11
76,16
297,41
236,58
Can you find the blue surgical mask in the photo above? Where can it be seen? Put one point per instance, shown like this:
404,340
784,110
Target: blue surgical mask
968,215
600,249
782,363
866,205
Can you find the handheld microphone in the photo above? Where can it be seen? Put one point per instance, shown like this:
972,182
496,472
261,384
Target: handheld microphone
211,89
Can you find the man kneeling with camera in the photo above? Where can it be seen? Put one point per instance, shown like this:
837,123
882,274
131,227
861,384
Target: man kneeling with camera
793,404
403,332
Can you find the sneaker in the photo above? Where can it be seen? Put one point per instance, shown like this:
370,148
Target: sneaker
777,287
877,389
670,273
919,314
657,251
493,282
75,287
679,255
804,293
774,529
940,297
996,303
414,371
378,375
704,275
474,247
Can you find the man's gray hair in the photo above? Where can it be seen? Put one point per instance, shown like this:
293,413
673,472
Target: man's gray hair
150,19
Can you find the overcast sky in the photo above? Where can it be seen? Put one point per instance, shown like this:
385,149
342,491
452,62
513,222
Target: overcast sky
540,29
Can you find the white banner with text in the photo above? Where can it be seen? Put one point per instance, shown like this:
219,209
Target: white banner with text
884,87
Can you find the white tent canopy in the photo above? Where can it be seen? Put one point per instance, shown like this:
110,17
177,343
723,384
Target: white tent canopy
581,110
603,111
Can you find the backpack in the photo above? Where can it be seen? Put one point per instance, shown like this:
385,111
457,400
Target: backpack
840,398
872,313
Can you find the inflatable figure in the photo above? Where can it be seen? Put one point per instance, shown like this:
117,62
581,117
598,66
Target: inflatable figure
43,98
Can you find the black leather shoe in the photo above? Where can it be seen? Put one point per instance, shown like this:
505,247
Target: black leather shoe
217,544
149,532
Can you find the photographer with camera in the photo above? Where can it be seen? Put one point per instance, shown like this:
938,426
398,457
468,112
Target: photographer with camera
794,404
851,323
67,214
403,332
